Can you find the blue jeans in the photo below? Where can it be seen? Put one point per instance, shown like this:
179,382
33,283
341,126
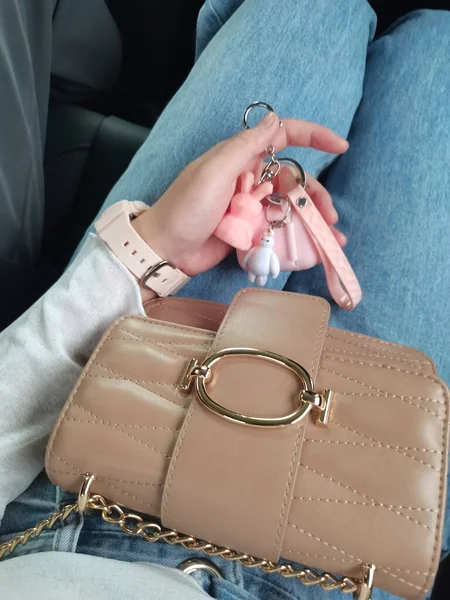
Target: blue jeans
315,60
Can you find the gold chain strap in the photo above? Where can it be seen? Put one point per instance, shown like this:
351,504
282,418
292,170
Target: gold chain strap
34,532
135,525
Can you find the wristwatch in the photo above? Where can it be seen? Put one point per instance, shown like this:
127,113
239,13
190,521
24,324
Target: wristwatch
114,227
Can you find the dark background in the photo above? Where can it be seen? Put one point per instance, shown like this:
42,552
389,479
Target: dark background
158,38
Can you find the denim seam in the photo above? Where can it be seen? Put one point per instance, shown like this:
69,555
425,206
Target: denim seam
214,9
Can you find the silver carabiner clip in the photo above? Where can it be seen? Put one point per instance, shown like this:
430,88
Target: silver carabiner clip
278,200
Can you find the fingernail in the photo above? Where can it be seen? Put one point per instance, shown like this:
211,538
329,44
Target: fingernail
344,144
268,120
334,216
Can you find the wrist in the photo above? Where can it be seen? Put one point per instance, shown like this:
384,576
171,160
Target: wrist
149,231
156,235
139,249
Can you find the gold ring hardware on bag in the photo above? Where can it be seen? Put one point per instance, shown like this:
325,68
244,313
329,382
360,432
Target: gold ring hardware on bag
83,495
309,399
135,525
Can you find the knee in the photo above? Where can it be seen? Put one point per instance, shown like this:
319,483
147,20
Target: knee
350,20
422,40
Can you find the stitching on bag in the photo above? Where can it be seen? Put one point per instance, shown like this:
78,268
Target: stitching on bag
382,444
335,558
402,349
107,479
413,585
78,471
287,489
428,579
150,344
53,470
143,339
147,427
300,431
297,552
132,437
318,341
85,372
79,382
290,474
387,367
343,443
100,421
378,504
370,355
161,383
191,411
392,353
360,560
147,504
182,310
173,463
383,394
135,381
356,503
161,324
362,495
199,346
143,483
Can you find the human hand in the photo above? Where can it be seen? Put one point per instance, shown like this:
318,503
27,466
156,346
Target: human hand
180,225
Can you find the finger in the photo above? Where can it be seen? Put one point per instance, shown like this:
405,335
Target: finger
234,154
296,132
340,237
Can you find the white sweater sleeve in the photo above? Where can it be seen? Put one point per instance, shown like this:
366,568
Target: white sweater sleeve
44,351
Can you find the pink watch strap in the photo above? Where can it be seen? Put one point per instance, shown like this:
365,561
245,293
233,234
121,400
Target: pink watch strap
341,279
114,227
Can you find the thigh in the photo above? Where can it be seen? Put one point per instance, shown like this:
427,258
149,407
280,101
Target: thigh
25,62
391,189
305,58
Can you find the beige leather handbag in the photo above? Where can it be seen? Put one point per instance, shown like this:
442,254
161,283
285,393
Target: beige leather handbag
268,435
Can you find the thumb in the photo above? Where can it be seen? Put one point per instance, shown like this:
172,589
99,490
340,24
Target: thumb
239,150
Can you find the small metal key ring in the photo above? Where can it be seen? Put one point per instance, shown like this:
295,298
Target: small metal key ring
301,180
249,109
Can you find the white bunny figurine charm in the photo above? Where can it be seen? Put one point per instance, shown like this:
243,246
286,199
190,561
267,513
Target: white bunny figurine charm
262,261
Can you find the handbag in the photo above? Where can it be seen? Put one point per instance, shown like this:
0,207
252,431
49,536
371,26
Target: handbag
258,433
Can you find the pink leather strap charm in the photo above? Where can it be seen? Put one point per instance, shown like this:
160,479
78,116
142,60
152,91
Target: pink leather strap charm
341,279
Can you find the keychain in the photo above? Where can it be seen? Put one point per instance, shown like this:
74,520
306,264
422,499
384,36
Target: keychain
262,261
274,232
236,228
